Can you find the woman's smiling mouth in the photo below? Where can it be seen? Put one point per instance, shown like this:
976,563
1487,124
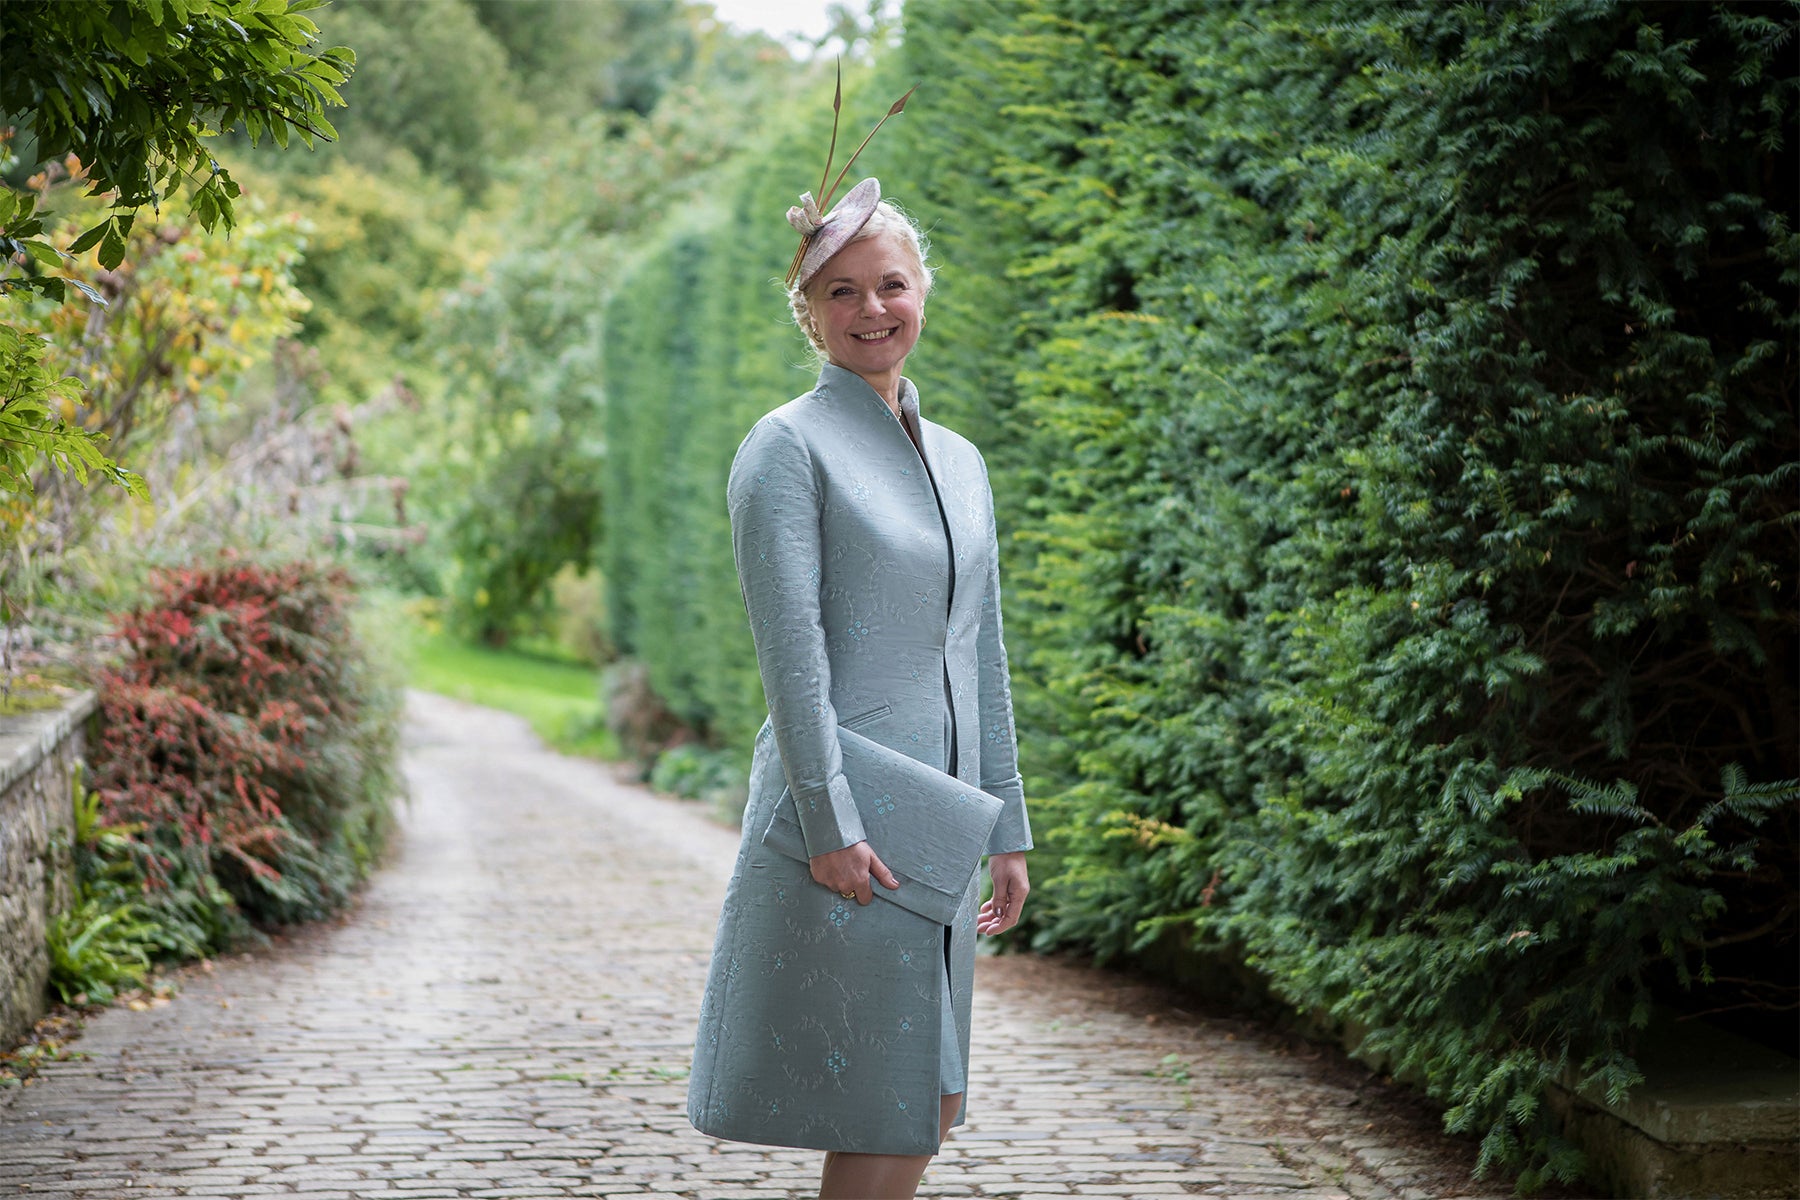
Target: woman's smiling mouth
877,336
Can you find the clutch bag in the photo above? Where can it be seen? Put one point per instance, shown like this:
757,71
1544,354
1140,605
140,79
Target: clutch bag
930,828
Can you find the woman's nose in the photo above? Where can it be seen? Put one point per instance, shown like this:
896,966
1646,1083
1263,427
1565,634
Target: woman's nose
872,305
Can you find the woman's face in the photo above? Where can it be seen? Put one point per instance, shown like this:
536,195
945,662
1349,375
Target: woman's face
868,305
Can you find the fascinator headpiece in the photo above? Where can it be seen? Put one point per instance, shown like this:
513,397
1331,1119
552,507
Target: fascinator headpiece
822,236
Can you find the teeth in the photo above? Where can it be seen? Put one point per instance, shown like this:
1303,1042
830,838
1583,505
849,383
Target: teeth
873,337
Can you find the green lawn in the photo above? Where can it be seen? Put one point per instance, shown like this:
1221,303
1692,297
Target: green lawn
561,699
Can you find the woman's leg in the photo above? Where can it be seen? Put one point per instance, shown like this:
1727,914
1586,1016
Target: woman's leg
882,1176
896,1176
872,1176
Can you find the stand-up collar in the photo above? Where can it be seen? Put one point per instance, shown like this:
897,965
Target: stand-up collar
846,383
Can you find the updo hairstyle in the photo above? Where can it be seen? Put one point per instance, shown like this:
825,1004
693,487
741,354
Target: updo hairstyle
887,218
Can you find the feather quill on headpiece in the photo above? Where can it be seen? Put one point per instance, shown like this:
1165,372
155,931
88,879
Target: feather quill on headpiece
898,107
837,108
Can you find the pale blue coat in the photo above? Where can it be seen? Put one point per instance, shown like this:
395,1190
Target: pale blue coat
871,580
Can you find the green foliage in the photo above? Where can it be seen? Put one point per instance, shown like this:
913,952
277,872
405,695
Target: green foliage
134,87
467,337
188,320
1409,488
696,773
31,435
98,949
124,95
22,240
36,400
379,250
434,85
523,345
576,57
525,449
119,926
1391,411
252,736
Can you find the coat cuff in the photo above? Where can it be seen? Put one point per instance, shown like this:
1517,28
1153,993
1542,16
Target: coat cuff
1012,832
828,817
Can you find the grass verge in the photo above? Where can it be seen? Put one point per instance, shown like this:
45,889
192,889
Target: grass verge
560,698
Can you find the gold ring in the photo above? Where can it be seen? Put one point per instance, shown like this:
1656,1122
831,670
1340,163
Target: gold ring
848,895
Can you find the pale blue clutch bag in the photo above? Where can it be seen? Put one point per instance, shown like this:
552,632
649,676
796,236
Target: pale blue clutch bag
930,828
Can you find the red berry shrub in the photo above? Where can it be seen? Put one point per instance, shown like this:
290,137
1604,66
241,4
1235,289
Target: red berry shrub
248,733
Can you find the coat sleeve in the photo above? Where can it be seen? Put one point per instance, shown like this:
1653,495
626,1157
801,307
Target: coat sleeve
774,498
999,749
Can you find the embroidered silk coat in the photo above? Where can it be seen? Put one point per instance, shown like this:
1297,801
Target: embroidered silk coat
869,572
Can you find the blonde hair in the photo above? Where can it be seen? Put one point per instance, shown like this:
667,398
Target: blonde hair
887,218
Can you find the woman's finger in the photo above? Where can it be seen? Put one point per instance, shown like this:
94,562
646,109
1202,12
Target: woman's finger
844,871
1000,912
882,875
1011,885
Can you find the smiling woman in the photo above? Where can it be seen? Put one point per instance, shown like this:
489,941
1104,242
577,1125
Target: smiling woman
864,311
837,1010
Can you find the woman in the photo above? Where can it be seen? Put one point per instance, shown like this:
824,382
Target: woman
835,1017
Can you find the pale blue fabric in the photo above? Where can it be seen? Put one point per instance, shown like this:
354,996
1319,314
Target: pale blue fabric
870,576
950,1063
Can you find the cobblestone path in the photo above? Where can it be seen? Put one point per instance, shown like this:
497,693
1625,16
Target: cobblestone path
508,1014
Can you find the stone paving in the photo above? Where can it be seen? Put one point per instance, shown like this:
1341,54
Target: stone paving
508,1013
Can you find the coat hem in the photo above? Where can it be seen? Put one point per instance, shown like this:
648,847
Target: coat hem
825,1145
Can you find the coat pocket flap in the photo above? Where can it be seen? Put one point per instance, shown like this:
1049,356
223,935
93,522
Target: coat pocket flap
930,828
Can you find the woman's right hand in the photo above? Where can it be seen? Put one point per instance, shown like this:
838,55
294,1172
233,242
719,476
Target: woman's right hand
849,870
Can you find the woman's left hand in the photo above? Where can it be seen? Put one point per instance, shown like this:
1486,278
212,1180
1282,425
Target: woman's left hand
1000,912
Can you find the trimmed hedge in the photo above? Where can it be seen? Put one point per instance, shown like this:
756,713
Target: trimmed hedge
1393,409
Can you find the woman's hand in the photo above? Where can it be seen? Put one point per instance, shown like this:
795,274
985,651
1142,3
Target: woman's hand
848,870
1001,911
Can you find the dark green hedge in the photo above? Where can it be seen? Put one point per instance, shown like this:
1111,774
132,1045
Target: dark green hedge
1392,411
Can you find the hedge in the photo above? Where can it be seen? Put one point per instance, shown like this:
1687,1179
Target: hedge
1392,409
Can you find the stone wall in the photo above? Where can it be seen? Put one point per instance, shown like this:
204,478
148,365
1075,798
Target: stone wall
38,752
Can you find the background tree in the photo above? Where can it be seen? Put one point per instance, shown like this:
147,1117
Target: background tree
509,444
436,85
133,87
121,95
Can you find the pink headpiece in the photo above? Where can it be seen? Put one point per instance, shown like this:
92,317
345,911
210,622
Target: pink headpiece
823,236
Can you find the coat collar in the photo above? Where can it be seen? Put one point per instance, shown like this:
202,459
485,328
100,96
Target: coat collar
852,388
850,394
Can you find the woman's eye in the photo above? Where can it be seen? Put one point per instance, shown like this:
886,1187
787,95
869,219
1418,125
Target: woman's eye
894,285
843,291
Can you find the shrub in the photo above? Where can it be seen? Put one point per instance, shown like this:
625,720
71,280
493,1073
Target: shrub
711,776
249,735
118,926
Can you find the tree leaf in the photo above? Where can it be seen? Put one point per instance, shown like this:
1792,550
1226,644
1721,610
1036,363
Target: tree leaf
90,238
44,252
112,248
